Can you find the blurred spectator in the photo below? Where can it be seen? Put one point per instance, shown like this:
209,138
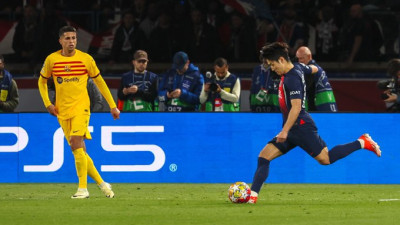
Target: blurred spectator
150,21
392,92
9,97
128,38
47,36
266,32
203,45
180,86
162,43
221,91
138,89
327,33
264,89
291,30
242,45
8,8
215,16
25,32
139,8
359,37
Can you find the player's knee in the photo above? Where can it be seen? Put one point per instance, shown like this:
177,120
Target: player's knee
324,162
75,142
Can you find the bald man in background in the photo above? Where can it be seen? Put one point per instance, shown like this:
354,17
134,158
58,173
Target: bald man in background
320,95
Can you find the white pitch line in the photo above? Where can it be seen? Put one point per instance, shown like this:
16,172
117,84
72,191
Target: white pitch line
389,200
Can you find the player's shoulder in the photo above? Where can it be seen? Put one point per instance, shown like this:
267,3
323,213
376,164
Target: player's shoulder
82,54
54,55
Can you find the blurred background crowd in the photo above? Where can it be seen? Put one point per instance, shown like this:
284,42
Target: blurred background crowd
206,29
352,40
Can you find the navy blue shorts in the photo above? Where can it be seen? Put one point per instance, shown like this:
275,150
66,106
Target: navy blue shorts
305,136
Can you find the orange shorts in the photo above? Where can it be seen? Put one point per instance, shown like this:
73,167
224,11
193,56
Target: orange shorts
76,126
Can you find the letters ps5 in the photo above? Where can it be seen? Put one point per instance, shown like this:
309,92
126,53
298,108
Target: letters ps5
192,147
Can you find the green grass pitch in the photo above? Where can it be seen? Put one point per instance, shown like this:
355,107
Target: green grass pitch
177,204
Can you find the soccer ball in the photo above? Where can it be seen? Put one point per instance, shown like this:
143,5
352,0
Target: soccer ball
239,192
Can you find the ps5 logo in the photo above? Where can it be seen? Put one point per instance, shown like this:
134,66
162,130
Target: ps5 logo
106,143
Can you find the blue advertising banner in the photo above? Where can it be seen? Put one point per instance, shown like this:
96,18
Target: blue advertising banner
193,148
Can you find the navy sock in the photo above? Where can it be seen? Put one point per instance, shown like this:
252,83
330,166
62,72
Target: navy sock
341,151
261,174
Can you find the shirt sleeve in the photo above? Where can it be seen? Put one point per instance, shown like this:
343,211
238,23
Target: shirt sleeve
305,68
294,86
93,70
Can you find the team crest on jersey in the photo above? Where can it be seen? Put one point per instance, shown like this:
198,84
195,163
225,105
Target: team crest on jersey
67,68
59,80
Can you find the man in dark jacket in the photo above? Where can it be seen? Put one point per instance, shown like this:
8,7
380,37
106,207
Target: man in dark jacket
9,91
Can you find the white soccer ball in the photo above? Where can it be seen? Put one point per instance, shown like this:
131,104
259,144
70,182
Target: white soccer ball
239,192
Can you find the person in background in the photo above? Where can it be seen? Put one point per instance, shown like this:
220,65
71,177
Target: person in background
320,95
264,89
221,91
180,86
138,89
24,39
128,38
391,95
9,97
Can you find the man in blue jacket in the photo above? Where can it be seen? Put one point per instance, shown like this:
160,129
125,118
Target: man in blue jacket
9,98
180,87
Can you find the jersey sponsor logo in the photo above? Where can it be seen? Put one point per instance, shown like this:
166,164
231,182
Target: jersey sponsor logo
59,80
294,92
74,79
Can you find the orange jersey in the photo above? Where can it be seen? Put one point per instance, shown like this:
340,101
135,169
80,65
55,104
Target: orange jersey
70,75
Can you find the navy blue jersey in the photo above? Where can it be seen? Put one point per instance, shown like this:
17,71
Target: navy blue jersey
293,86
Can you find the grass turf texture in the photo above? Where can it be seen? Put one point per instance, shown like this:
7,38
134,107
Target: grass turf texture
199,204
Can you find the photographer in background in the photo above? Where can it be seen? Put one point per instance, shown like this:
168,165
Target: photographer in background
9,91
264,89
391,87
221,90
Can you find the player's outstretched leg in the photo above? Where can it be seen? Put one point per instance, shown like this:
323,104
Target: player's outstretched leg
363,142
259,178
369,144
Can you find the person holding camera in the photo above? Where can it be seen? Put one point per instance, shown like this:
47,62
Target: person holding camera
138,88
180,87
391,87
264,89
221,90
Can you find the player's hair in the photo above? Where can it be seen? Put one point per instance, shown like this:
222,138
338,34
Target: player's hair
393,67
66,29
2,58
220,62
275,50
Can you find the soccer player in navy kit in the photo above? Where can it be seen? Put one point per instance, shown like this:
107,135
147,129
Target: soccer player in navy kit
298,128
